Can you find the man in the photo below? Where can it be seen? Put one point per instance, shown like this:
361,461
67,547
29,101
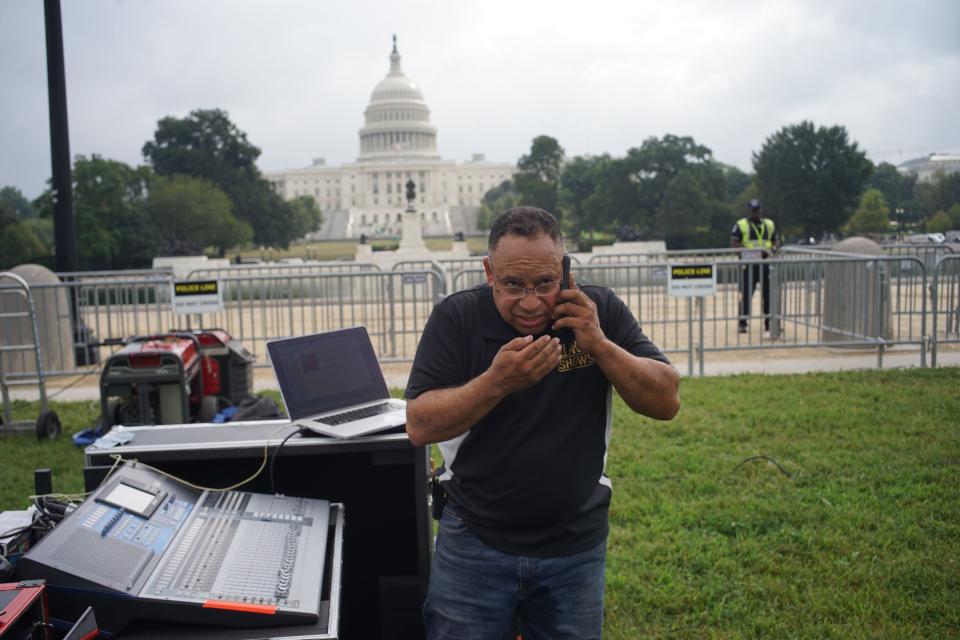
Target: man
522,412
758,236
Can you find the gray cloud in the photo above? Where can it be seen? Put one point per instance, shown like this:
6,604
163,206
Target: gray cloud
600,77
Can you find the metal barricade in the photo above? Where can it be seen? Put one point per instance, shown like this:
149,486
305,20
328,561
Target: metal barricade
855,301
668,321
945,305
683,255
456,265
108,311
817,298
332,266
468,278
127,274
393,306
929,254
408,265
850,301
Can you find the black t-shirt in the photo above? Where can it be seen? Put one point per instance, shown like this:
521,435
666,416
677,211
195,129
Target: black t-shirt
528,477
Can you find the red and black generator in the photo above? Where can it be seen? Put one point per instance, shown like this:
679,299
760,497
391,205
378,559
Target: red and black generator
226,364
174,378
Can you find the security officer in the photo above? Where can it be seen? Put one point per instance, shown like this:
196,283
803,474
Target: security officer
757,236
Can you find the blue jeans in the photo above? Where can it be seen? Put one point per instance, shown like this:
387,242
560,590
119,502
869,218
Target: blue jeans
476,591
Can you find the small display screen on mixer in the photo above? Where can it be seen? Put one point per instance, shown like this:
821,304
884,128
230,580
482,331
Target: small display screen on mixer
129,498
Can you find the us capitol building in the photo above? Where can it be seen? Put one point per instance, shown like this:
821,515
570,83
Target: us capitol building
397,144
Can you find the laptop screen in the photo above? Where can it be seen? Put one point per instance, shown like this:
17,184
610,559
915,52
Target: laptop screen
327,371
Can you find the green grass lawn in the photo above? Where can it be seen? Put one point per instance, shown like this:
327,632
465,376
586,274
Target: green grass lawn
858,536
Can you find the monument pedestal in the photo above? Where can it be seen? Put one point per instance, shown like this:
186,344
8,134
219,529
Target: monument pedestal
412,247
411,239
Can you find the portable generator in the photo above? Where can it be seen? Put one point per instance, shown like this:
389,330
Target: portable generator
174,378
226,365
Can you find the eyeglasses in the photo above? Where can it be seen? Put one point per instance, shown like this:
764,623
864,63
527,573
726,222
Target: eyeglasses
541,291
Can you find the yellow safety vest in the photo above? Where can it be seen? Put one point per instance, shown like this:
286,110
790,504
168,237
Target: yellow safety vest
764,233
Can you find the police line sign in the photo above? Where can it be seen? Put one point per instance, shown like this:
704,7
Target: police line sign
692,280
197,296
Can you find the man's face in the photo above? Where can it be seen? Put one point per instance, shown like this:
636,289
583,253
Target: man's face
519,261
755,214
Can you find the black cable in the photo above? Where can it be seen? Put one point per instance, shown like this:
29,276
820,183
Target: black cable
276,453
51,510
62,389
46,626
51,396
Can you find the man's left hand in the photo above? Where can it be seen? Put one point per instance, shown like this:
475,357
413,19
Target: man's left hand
575,310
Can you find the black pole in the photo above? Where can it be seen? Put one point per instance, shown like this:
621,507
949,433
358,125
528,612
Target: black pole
64,229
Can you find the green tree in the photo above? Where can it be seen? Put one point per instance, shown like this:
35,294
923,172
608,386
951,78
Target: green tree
42,228
12,197
939,193
680,183
20,245
735,181
29,240
896,187
190,211
954,213
810,178
108,201
688,210
939,222
577,184
113,230
307,216
496,201
538,174
678,188
739,204
614,204
8,215
872,216
207,145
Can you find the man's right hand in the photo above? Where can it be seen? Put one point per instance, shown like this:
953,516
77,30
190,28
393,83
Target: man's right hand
442,414
523,362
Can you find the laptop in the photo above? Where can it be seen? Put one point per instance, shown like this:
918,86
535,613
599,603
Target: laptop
331,384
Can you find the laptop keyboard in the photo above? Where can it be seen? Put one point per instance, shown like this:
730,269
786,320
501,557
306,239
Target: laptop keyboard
357,414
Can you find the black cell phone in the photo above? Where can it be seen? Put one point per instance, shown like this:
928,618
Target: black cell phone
565,335
566,272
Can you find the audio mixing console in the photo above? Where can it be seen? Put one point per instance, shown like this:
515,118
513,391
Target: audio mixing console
146,546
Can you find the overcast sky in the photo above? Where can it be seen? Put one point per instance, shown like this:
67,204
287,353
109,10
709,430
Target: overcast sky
600,76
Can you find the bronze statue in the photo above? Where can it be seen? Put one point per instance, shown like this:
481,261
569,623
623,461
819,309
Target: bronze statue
411,193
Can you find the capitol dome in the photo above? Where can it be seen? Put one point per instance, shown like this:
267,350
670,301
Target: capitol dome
397,119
